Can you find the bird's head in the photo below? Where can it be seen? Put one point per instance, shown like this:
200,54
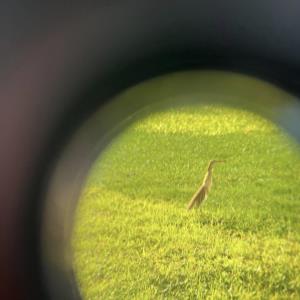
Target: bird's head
213,162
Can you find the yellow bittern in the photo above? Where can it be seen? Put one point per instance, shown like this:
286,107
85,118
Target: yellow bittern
202,193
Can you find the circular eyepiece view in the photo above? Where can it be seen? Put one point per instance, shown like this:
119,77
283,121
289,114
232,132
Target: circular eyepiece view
188,188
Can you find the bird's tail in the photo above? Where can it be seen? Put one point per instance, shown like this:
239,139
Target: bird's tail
198,198
191,204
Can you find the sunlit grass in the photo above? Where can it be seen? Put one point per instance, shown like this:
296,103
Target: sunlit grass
134,238
214,121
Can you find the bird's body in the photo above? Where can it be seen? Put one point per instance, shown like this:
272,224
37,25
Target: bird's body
202,193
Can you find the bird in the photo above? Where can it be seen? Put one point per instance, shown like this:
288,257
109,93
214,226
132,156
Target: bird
204,189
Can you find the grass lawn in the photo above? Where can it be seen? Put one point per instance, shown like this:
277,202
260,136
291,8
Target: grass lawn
134,238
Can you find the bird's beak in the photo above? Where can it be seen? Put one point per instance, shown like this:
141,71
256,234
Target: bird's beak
221,161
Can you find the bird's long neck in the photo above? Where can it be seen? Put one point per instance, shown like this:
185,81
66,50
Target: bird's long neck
210,168
209,172
208,177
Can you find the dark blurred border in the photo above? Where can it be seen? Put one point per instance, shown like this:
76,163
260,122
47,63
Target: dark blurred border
60,62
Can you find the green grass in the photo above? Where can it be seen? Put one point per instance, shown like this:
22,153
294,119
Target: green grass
134,238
